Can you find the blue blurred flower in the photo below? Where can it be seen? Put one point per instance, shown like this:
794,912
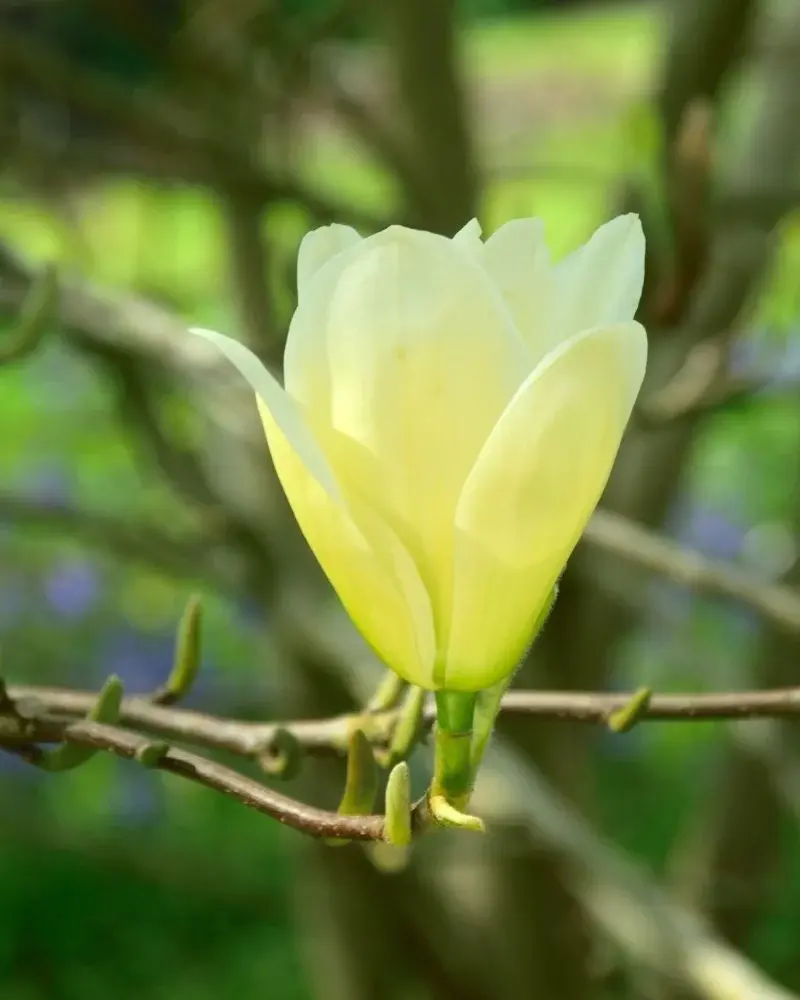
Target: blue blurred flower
73,588
709,530
142,661
49,481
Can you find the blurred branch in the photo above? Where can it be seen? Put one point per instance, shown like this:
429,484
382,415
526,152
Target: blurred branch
176,135
704,383
647,926
35,317
650,550
183,557
423,47
249,267
138,398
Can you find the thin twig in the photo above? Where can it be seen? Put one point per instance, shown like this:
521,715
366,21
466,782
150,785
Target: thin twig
327,736
44,718
308,819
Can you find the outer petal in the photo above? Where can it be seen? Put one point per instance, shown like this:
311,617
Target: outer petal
283,410
531,493
318,247
601,283
368,567
422,360
373,575
517,259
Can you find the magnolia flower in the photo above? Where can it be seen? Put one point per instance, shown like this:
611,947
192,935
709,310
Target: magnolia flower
450,416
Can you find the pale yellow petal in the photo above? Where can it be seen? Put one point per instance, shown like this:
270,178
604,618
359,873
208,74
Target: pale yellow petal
283,410
600,283
531,494
422,361
469,237
373,576
517,259
318,247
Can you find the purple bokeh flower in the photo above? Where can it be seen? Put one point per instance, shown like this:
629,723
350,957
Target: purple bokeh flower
48,482
708,530
140,660
73,588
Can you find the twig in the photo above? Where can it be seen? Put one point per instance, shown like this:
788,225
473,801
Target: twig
310,820
43,717
36,716
330,736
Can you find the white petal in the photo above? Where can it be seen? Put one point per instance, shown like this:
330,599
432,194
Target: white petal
469,237
375,578
421,360
517,259
318,247
531,492
600,283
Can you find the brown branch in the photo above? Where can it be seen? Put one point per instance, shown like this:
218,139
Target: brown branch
32,716
329,736
308,819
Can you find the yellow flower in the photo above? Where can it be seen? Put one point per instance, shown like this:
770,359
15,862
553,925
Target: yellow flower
450,416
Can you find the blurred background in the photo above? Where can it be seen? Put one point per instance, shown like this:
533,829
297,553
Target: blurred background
169,156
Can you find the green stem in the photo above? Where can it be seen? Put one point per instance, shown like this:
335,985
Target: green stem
490,699
453,776
486,712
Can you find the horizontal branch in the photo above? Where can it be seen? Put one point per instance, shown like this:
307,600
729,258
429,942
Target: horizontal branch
329,736
183,557
32,716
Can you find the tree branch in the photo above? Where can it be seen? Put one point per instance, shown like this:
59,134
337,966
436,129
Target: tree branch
250,793
183,557
329,736
179,136
31,716
614,533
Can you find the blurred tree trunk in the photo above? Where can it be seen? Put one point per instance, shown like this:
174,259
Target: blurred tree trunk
706,40
422,41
